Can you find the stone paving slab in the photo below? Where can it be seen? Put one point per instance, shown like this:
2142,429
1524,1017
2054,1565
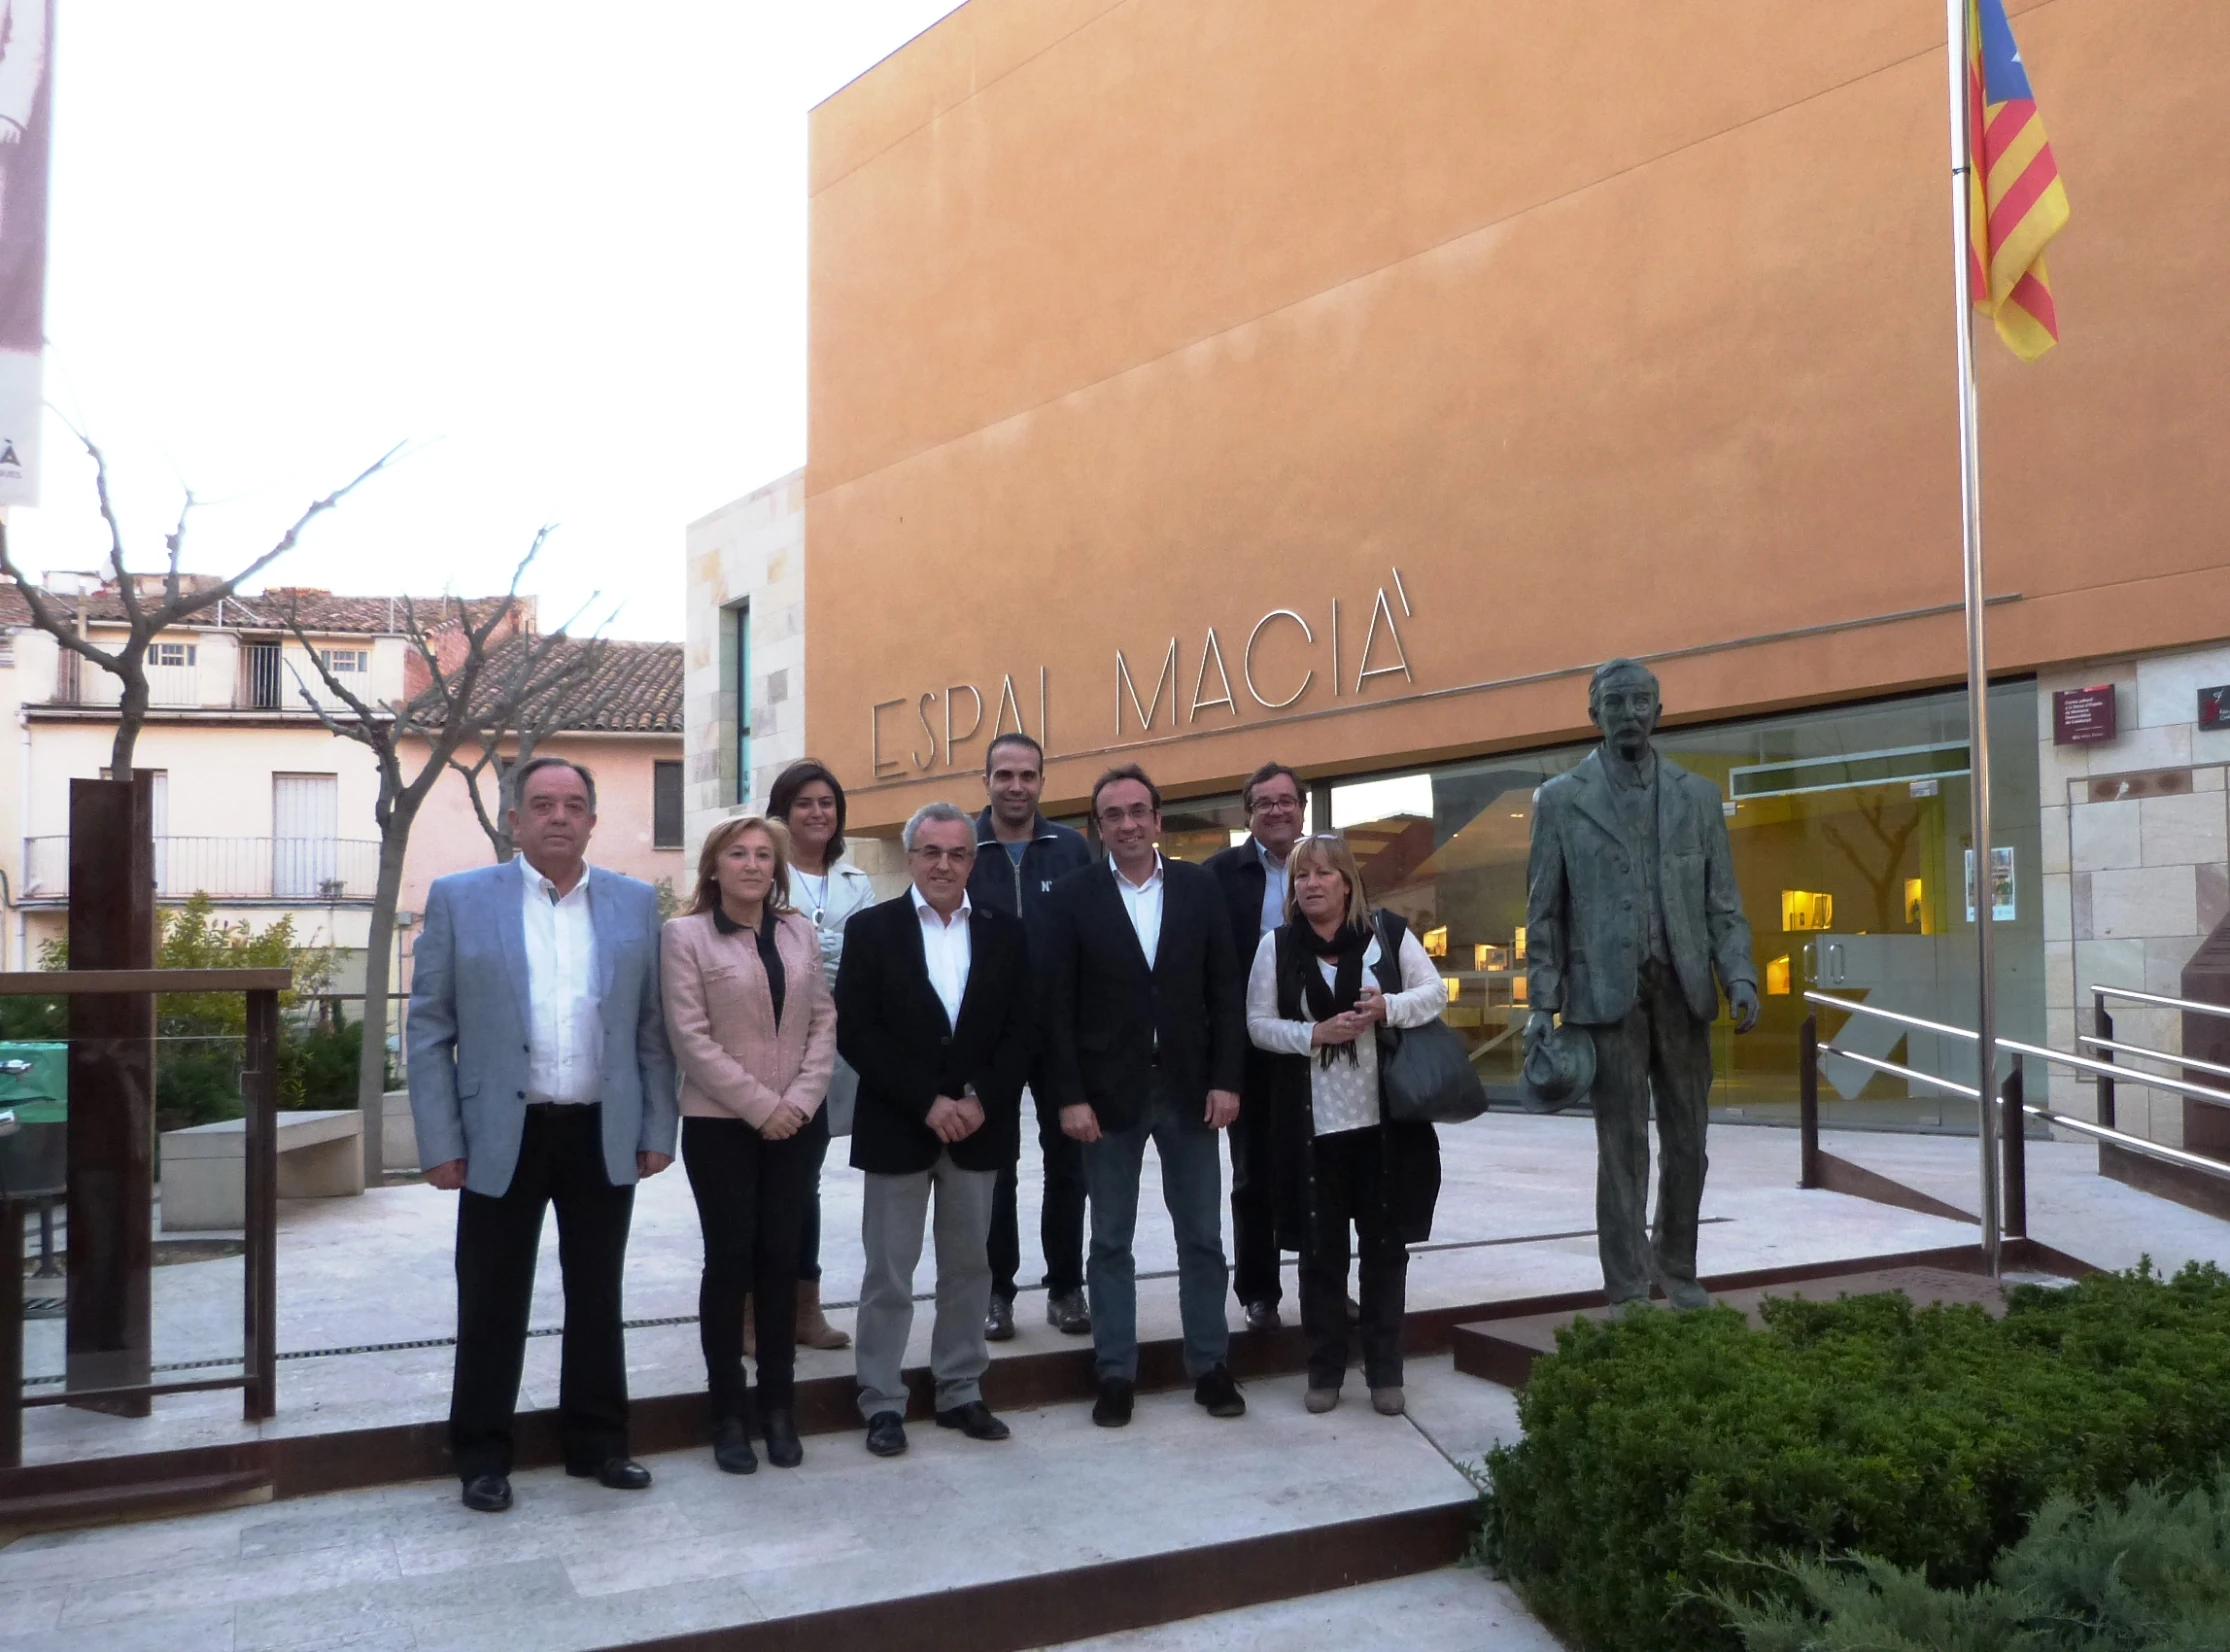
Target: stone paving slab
1515,1219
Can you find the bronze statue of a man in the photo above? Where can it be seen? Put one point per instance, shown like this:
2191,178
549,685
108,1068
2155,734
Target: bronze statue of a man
1631,912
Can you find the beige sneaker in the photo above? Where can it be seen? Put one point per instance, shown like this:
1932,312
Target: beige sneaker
1388,1402
1320,1400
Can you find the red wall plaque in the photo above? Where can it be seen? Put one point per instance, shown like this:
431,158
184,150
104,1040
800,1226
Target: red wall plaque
2081,715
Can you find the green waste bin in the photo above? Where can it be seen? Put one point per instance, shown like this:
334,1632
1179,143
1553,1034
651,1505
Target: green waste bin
34,1092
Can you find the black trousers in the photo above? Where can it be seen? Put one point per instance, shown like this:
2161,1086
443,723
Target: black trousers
1660,1049
751,1196
561,1163
1254,1233
1060,1218
1349,1190
809,1247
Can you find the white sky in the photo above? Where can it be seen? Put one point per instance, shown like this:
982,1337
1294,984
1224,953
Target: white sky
558,246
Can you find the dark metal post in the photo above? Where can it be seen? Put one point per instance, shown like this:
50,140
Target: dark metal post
1808,1102
11,1336
259,1086
2105,1084
2016,1145
111,1131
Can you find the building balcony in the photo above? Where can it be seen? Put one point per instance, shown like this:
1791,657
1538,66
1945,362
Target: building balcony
305,871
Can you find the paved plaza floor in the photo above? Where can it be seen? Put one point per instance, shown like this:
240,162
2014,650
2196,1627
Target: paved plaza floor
1516,1218
404,1567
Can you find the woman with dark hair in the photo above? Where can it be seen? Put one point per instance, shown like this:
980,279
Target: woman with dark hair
1323,983
827,889
753,1028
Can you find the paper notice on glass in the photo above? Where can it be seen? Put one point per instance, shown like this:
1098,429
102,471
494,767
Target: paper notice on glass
2002,906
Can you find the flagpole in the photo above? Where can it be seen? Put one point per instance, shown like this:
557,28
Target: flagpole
1978,682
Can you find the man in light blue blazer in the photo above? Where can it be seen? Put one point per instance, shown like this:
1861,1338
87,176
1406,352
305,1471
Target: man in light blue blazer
540,1075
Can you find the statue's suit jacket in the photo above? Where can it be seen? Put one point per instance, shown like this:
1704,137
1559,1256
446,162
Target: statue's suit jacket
468,1025
1585,884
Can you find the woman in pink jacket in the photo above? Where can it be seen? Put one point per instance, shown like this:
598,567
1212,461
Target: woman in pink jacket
754,1032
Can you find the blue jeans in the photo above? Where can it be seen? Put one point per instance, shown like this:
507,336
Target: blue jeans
1192,1188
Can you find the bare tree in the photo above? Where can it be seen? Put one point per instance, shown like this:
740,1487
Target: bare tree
481,664
1884,879
605,674
143,620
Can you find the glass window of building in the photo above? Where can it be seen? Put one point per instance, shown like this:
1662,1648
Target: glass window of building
1849,830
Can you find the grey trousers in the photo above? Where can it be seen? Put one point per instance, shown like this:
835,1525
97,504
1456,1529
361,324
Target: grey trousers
895,1209
1661,1048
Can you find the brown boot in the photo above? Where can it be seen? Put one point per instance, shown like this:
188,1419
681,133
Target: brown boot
814,1330
750,1332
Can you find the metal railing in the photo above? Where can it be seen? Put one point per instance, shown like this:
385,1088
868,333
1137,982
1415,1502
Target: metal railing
2014,1218
259,1089
315,871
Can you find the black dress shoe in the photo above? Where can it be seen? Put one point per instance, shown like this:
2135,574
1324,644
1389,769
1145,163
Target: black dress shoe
1263,1316
1112,1408
886,1434
731,1447
488,1493
1219,1392
783,1450
974,1420
998,1322
618,1473
1067,1313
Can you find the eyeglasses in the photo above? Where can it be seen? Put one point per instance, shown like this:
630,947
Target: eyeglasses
943,857
1277,805
1143,813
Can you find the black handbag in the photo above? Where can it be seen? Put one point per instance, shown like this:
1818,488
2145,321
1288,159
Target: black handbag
1425,1075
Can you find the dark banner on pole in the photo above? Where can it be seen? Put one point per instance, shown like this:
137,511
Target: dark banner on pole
26,125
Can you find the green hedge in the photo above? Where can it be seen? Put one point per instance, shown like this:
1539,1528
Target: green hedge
2145,1573
1663,1449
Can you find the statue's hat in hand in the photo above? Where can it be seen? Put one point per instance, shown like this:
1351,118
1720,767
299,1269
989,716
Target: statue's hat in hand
1559,1069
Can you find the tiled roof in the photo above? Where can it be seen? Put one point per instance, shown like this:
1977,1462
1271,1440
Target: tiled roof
632,688
321,612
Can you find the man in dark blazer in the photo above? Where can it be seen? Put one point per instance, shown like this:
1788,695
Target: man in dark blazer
932,1011
1252,876
1145,1037
1631,913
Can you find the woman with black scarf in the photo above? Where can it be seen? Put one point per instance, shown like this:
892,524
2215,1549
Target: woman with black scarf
1323,984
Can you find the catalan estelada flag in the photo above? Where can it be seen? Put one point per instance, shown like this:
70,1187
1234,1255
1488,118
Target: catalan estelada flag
2016,202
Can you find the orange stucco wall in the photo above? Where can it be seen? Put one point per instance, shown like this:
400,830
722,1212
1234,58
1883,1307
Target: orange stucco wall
1616,326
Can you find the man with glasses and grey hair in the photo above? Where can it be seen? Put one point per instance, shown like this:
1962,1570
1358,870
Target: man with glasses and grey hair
933,1012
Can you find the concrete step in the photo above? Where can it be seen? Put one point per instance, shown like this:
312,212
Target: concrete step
1063,1532
1454,1609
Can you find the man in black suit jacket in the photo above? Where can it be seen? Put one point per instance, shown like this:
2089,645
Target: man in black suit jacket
932,1010
1145,1037
1252,875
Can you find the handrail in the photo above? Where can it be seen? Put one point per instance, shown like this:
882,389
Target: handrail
1857,1008
2134,1144
2097,1043
2187,1005
57,983
259,1088
2015,1046
1890,1067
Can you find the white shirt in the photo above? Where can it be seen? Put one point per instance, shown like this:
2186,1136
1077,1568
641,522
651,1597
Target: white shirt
1342,1095
1273,888
948,950
1143,903
565,1026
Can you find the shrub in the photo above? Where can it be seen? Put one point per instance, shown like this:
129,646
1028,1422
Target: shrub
1662,1448
2149,1573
